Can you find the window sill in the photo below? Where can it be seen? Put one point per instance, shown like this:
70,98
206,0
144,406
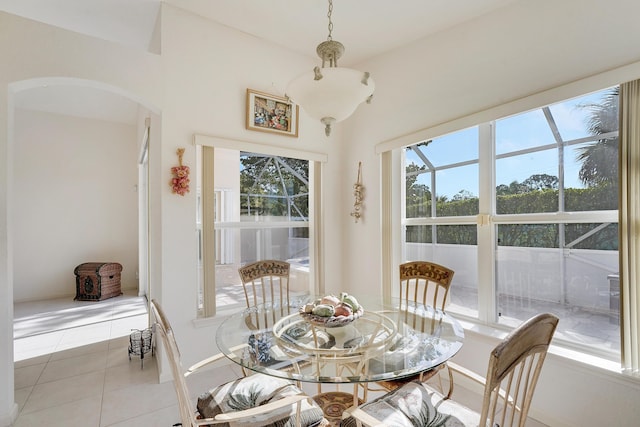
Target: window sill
576,360
215,320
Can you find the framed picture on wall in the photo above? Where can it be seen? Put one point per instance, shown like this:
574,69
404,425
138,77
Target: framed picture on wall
270,113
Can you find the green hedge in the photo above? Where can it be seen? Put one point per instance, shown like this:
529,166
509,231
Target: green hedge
524,235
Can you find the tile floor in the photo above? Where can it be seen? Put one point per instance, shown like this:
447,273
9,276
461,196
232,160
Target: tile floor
78,373
72,368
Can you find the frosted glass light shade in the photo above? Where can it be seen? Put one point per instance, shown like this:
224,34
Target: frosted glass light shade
335,96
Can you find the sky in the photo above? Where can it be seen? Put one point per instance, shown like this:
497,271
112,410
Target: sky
513,133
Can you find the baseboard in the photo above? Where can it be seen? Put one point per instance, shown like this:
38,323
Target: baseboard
544,418
7,420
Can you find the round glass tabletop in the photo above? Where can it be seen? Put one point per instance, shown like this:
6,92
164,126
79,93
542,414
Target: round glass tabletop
384,342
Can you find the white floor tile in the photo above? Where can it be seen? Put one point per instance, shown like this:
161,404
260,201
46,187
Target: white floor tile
75,351
85,335
78,413
164,417
128,375
125,403
118,354
28,375
21,396
63,391
73,366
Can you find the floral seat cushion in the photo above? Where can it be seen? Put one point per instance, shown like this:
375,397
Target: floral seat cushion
256,390
415,404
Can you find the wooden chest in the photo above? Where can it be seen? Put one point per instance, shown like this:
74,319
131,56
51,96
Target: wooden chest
96,281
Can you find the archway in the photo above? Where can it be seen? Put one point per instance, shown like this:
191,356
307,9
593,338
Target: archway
84,150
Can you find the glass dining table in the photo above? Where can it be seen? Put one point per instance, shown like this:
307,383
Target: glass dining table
387,340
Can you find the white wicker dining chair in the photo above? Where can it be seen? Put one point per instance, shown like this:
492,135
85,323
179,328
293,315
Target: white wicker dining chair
425,283
254,400
265,281
512,375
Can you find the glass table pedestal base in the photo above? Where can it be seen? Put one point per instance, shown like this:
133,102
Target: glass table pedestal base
334,403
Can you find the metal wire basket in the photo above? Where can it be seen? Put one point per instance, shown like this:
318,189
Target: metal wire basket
140,343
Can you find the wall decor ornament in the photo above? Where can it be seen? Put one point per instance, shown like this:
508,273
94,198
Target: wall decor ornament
180,181
270,113
358,192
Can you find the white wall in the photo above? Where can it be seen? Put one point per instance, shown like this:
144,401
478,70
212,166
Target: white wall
75,201
208,68
520,50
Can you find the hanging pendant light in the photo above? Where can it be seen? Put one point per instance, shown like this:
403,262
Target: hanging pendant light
331,94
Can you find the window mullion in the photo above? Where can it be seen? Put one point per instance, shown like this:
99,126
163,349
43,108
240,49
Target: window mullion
486,230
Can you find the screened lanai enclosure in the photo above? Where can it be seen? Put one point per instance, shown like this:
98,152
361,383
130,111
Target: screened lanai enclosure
525,210
261,211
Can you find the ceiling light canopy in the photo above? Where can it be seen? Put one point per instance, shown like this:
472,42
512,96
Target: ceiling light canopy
331,94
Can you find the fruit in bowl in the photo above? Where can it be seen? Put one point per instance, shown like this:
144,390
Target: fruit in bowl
330,300
342,309
323,310
332,310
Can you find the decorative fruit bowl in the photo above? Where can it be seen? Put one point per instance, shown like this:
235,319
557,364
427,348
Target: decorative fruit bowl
332,311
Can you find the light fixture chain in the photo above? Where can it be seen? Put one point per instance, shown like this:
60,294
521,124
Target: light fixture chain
330,22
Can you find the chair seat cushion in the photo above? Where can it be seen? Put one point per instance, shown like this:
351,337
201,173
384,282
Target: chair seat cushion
255,390
417,404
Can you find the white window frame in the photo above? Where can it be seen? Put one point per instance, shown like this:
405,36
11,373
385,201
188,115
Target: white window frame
391,178
316,261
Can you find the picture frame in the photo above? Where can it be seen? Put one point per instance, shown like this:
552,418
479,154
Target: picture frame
271,113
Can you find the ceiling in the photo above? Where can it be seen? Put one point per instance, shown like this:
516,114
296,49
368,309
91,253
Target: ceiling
367,28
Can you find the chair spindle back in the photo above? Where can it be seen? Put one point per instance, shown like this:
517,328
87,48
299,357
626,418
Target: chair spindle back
266,282
425,282
514,368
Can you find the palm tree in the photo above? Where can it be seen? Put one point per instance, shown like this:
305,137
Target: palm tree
600,159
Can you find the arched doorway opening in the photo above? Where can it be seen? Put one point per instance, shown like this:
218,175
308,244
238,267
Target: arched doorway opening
80,184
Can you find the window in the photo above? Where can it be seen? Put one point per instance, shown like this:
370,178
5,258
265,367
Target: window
441,206
545,219
260,208
435,171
